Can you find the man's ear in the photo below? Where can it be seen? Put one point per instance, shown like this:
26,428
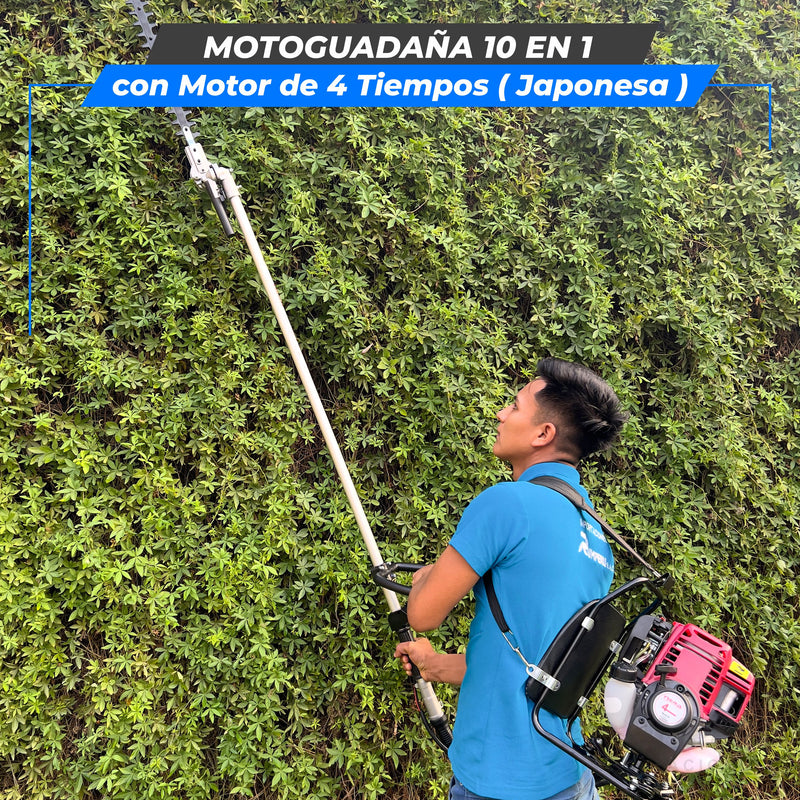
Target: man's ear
544,434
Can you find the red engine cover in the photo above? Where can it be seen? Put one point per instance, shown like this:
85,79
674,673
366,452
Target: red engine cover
705,665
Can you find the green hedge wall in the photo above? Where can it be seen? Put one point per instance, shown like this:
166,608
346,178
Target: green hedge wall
185,609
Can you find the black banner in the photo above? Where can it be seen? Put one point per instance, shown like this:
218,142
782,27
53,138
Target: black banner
236,43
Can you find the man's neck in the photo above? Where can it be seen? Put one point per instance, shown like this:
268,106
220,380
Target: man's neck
558,458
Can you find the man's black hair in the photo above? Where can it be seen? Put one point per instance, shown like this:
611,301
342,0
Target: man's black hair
587,407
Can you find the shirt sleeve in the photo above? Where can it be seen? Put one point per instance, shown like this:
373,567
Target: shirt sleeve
491,529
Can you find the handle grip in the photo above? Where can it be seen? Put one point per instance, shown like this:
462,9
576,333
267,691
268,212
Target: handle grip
433,718
384,573
404,633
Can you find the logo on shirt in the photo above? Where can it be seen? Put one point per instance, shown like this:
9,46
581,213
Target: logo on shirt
593,554
591,529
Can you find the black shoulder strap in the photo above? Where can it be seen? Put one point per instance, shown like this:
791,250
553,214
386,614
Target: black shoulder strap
578,500
494,604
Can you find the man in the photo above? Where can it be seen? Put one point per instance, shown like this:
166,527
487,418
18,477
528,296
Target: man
546,561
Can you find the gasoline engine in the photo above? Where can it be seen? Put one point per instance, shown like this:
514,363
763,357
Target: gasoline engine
674,692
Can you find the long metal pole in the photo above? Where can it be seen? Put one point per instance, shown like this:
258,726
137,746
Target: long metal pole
232,195
432,705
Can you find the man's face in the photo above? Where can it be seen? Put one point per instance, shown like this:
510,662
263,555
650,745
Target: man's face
519,425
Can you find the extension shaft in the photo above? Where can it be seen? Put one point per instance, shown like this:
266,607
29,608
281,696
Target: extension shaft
432,705
232,195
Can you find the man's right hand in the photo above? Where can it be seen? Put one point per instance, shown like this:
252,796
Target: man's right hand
433,666
421,652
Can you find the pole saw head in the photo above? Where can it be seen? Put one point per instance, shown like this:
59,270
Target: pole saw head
206,175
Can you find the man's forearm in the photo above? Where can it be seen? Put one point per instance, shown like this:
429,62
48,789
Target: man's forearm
447,668
437,588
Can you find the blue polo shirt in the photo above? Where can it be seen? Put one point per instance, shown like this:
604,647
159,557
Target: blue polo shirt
547,560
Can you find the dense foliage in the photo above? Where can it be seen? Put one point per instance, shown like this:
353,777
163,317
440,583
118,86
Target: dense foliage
185,609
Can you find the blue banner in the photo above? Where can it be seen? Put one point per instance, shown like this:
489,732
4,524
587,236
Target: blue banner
375,85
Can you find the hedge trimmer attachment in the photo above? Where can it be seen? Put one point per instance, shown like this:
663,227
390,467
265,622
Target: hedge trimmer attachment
221,188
